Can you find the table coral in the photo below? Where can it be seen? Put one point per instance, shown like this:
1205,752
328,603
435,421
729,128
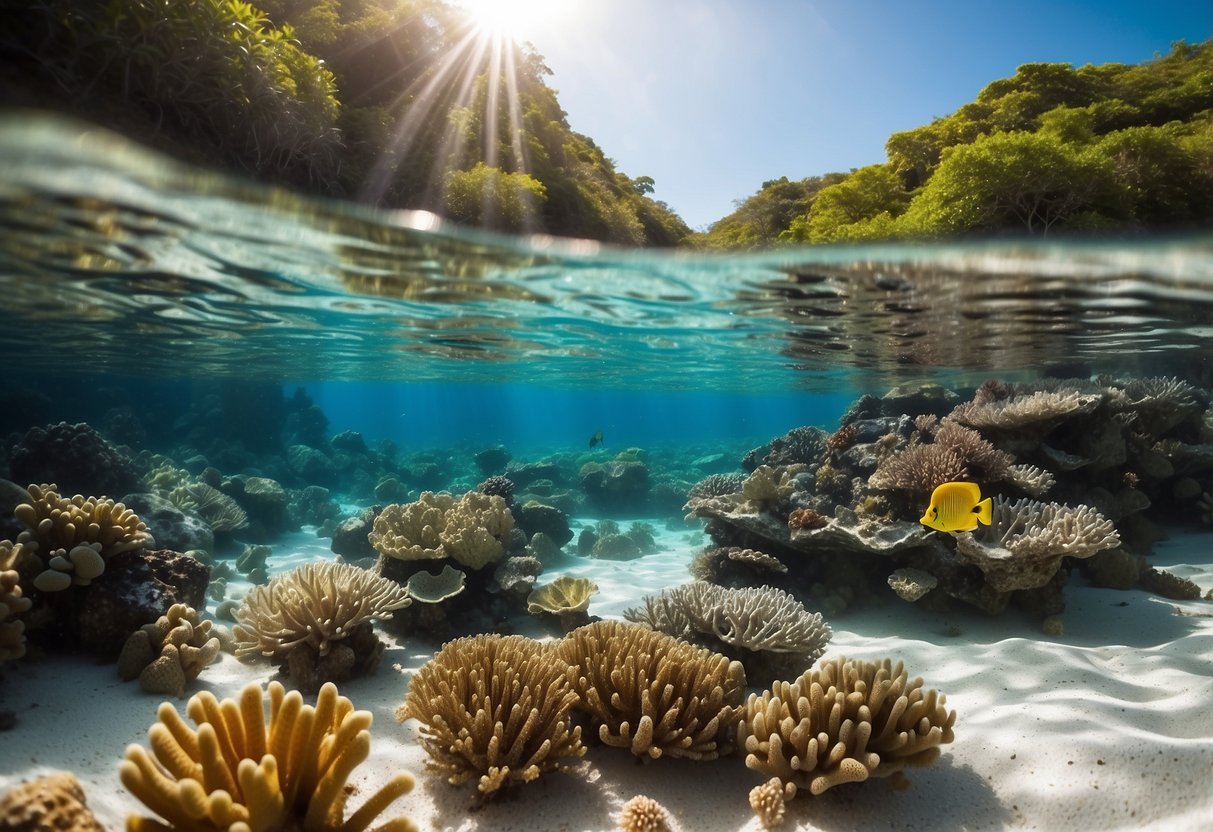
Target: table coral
238,770
169,653
1024,544
843,722
653,694
495,709
74,537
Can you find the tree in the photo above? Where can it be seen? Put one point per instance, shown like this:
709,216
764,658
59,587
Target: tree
865,194
489,197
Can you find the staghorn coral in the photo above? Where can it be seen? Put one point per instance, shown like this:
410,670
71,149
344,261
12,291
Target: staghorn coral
170,652
651,693
843,722
766,629
74,538
317,618
1030,479
643,814
241,771
978,456
1023,546
918,469
495,709
769,803
470,530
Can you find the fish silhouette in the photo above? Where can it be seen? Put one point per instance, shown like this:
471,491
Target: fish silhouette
596,439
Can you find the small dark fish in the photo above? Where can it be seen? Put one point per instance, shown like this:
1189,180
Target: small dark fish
596,439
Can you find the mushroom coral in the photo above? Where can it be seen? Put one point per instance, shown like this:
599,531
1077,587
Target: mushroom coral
239,772
495,708
842,722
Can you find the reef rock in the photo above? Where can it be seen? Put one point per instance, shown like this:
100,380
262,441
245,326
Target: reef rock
170,526
75,457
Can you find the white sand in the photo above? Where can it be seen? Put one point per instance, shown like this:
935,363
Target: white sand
1109,727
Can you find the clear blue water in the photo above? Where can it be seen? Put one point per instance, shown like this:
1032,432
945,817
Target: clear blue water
116,264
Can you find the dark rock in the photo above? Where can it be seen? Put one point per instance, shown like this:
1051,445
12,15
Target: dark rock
313,506
76,458
534,518
492,460
350,537
350,441
136,589
915,400
171,527
616,486
524,475
311,466
265,501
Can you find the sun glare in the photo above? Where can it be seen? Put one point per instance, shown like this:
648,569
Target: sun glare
516,20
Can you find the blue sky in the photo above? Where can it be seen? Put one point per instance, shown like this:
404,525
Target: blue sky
712,97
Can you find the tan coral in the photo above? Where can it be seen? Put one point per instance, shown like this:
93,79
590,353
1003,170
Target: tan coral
769,802
1023,546
428,588
768,484
565,594
12,604
493,709
759,560
919,469
169,653
1038,410
643,814
221,512
241,771
49,804
843,722
1030,479
74,537
470,530
316,604
911,584
653,694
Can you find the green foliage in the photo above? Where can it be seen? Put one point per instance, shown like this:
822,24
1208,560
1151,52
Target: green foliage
840,209
761,219
491,198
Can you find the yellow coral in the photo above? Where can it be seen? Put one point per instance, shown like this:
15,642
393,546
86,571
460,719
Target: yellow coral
239,772
73,538
495,708
471,530
651,693
643,814
563,595
12,604
841,723
170,652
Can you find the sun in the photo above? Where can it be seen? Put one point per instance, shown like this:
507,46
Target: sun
515,20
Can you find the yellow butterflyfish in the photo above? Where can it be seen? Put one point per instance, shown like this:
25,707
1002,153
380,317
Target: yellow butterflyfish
957,507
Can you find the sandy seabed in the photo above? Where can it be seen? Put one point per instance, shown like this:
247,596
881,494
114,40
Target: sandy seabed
1108,727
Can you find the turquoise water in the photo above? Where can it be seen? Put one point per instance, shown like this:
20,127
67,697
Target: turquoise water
117,264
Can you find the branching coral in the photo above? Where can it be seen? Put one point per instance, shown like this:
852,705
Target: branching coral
1023,546
73,538
770,485
918,469
12,604
317,604
239,772
170,652
765,628
843,722
1032,480
769,803
1037,409
494,708
716,485
651,693
471,530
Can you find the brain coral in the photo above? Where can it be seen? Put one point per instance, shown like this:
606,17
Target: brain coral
73,538
471,530
842,722
495,708
239,772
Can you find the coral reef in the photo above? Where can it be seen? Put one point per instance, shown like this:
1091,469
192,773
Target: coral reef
169,653
75,537
317,620
76,456
766,629
470,530
495,709
49,803
653,694
843,722
239,769
12,604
